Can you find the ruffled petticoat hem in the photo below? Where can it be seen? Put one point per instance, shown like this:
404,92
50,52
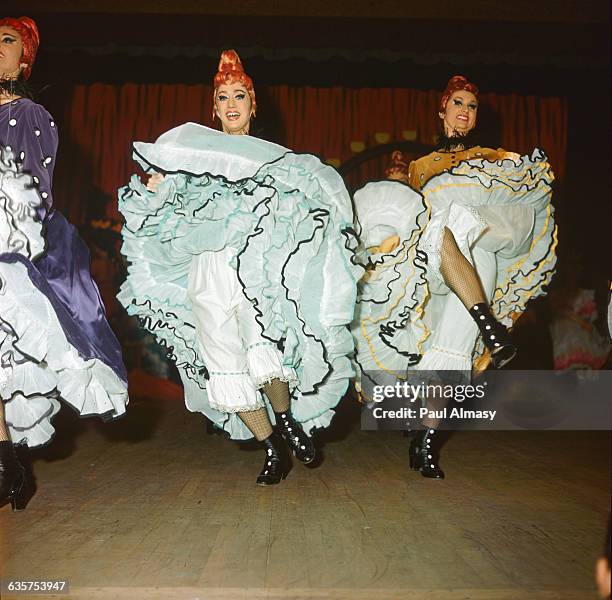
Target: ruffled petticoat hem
233,393
30,418
92,390
41,366
437,358
266,363
239,392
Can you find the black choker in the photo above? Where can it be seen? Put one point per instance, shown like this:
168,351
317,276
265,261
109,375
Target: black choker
16,87
465,142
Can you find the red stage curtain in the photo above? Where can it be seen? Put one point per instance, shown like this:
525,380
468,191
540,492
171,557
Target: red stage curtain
103,120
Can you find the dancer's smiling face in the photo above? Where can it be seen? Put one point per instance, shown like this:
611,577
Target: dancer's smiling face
459,116
234,107
11,51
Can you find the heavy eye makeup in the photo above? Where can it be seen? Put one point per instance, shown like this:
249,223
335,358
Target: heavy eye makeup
471,105
237,96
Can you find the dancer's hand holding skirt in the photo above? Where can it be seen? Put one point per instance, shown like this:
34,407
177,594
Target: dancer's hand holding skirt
246,249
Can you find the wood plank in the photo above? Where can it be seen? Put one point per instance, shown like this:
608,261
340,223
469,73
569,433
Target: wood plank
153,507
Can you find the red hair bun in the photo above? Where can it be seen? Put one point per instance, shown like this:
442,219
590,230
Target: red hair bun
456,84
231,71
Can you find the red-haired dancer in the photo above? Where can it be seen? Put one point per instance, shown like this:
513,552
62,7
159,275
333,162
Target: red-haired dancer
55,341
473,234
241,262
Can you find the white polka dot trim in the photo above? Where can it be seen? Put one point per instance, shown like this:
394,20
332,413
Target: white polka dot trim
13,122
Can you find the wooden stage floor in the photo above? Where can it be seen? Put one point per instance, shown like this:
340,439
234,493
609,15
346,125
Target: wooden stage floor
153,507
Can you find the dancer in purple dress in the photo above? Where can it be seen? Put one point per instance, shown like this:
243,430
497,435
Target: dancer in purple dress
55,341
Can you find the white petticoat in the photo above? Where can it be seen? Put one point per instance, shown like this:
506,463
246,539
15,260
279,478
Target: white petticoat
239,359
41,366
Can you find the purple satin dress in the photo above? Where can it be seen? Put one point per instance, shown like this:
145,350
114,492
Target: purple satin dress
30,132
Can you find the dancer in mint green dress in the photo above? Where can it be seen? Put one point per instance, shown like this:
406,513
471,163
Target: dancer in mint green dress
241,260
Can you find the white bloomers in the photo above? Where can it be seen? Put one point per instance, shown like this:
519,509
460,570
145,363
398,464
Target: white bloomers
238,357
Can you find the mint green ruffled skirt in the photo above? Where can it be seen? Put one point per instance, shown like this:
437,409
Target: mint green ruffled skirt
263,230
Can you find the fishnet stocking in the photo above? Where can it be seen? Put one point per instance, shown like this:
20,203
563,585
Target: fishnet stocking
4,434
459,274
258,423
277,392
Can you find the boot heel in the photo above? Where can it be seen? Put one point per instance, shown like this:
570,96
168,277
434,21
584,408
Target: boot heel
17,494
277,464
421,455
413,458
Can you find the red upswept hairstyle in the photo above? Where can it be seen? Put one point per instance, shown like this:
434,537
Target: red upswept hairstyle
30,38
456,84
231,71
398,167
